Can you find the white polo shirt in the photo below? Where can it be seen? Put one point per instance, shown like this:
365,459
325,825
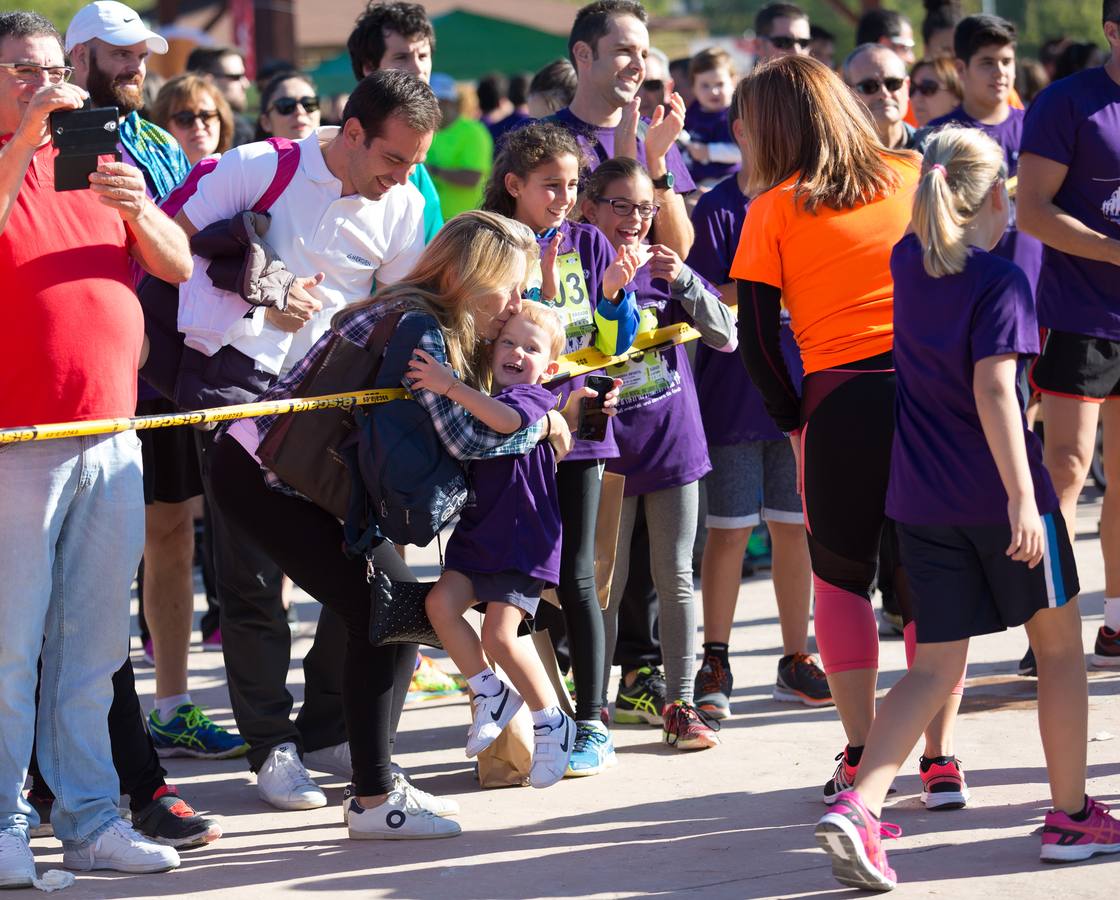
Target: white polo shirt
314,229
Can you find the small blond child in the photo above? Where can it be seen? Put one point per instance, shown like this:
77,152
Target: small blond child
506,548
712,151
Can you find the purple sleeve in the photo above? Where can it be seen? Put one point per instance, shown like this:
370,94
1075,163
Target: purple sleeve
1003,320
712,248
531,401
1050,127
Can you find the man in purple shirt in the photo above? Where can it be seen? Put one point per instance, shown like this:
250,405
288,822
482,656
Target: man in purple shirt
608,46
1069,198
985,50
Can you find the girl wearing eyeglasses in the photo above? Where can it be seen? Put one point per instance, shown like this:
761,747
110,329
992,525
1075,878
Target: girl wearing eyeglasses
196,114
660,437
289,107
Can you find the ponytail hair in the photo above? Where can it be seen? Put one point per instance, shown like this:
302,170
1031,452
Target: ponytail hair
960,167
523,151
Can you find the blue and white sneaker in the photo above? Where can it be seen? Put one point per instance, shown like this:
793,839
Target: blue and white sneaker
189,732
594,750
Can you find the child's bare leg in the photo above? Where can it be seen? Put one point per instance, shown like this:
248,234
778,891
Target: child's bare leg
447,603
904,714
520,662
1063,702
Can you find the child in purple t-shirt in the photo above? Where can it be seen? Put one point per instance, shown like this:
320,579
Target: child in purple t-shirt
712,151
506,548
983,542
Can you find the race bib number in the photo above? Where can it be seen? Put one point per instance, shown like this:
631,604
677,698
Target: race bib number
646,375
572,302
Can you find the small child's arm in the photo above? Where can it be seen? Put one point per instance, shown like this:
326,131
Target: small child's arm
428,373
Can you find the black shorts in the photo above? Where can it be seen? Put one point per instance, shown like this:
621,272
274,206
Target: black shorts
170,458
515,588
964,584
1077,366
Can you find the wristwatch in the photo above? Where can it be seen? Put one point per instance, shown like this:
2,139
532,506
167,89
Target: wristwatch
665,182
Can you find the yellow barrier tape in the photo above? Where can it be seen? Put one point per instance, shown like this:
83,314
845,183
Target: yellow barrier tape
571,366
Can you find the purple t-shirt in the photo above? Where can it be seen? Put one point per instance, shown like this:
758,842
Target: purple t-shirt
730,404
598,146
1023,249
511,522
595,255
1076,122
658,429
706,127
942,471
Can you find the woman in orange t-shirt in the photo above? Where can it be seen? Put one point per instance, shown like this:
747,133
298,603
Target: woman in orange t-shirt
830,204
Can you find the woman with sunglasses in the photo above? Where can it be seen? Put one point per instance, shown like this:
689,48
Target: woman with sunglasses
196,114
935,89
830,203
289,107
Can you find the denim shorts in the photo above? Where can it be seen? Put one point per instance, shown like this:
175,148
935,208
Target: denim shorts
750,482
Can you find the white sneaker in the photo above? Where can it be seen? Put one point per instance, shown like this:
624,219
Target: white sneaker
123,849
335,760
440,806
399,818
552,751
283,782
17,864
491,714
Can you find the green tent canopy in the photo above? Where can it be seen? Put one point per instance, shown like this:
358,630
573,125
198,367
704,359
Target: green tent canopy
467,47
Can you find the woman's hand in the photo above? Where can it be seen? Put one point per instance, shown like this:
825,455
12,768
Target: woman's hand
550,274
559,434
1028,536
429,373
620,273
626,131
665,263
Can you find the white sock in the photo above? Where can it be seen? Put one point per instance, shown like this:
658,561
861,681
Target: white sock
485,683
550,716
1112,613
166,706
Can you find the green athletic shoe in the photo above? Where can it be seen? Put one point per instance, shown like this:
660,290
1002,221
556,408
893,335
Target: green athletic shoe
189,732
643,701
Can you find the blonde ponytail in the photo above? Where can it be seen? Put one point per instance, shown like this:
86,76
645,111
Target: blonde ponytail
959,168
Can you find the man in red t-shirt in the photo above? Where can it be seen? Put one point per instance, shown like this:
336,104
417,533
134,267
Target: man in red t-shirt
71,510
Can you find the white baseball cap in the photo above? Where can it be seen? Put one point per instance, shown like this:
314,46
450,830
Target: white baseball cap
114,23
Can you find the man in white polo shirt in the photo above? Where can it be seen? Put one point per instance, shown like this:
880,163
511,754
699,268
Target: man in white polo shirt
348,215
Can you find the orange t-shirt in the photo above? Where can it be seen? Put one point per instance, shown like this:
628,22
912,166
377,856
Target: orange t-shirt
832,267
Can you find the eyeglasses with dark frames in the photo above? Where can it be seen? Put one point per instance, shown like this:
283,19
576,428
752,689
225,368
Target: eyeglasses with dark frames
287,105
871,86
926,88
185,118
785,42
626,208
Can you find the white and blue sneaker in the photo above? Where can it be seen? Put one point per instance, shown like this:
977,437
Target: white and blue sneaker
594,750
492,713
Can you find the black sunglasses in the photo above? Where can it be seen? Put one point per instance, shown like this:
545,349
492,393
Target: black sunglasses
287,105
926,88
784,42
186,118
654,84
870,86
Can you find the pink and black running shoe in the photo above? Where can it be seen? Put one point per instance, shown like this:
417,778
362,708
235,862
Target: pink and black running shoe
1064,839
852,837
943,784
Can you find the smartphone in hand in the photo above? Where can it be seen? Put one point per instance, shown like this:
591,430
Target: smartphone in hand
81,136
592,419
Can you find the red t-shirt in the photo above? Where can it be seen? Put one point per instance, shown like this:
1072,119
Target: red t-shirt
72,326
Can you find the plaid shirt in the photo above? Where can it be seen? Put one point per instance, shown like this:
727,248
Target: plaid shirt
463,435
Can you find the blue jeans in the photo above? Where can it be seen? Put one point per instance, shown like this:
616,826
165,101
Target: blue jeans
71,536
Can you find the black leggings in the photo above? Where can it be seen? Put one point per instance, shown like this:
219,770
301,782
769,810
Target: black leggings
306,543
579,484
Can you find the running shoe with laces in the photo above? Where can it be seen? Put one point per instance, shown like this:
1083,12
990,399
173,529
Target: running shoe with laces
842,779
1064,839
852,837
642,701
594,750
17,862
284,783
1106,650
121,848
399,818
189,732
552,751
171,821
712,687
943,785
1028,668
801,680
688,728
439,806
492,713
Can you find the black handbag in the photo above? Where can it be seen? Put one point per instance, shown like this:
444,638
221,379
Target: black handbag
397,613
